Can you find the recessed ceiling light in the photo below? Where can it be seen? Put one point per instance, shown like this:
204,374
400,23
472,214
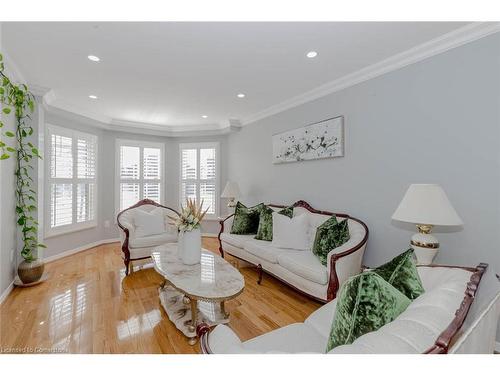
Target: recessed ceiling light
240,95
312,54
92,97
204,116
93,58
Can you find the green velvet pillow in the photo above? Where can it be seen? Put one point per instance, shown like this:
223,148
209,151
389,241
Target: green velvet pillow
246,219
401,272
366,303
265,229
330,235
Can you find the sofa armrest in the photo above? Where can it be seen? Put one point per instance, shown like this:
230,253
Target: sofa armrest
221,340
225,227
345,261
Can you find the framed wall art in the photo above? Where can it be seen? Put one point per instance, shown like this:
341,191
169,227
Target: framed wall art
324,139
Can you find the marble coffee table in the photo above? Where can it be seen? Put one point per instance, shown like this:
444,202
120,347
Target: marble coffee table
195,294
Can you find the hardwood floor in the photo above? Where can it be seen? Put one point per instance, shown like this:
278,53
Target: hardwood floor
89,306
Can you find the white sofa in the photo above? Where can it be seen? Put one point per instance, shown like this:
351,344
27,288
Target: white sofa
297,268
139,249
431,324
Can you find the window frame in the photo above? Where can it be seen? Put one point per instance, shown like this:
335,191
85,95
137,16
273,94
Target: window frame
198,180
141,180
75,226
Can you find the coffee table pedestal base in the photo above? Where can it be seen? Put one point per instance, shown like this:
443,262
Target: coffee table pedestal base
180,308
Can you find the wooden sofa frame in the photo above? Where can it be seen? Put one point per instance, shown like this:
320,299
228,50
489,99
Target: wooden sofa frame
126,251
333,282
444,341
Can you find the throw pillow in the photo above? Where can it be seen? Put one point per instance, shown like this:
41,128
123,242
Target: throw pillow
330,235
246,219
401,272
291,233
366,303
148,223
265,229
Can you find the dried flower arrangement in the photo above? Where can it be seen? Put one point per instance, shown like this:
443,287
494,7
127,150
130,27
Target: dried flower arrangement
190,216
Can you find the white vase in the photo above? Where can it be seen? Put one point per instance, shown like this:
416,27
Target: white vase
190,245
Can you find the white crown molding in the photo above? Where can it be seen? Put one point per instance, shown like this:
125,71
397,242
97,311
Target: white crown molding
456,38
57,106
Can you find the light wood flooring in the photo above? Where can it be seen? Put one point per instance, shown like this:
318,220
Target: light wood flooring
88,306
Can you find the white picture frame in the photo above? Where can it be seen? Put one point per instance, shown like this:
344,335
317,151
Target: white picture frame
323,139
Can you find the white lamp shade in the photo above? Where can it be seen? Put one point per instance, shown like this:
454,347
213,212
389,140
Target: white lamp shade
231,190
426,204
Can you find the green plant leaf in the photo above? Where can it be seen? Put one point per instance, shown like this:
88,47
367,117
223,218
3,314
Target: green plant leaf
10,149
4,156
10,134
42,245
6,110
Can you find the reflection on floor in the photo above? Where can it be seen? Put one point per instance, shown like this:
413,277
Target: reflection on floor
89,306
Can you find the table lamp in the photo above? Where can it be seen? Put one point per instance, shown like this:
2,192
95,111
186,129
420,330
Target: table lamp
426,205
231,191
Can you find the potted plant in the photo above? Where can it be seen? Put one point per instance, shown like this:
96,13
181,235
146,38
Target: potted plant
188,224
16,99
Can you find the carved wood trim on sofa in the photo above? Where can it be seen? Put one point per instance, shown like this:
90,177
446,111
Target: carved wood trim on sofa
125,249
333,282
444,340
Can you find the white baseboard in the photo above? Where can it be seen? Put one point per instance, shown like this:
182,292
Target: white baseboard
497,347
7,291
80,248
212,235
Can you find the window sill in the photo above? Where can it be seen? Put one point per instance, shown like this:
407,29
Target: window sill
67,229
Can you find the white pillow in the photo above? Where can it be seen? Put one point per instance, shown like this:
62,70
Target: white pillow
291,233
148,223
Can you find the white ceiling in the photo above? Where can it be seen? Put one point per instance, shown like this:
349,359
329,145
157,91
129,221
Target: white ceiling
170,74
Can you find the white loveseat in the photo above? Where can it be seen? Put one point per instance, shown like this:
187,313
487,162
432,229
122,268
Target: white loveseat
139,249
298,268
431,324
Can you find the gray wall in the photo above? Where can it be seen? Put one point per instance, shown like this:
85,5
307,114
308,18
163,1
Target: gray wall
436,121
106,179
8,241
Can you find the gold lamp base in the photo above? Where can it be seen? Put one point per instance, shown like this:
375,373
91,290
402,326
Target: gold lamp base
424,244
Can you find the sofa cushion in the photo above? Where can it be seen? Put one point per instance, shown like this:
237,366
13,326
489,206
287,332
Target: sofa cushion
304,264
291,233
294,338
401,273
366,303
246,219
154,240
265,229
148,223
264,250
238,240
330,235
417,328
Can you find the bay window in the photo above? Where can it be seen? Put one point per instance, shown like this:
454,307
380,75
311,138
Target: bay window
140,172
71,191
199,175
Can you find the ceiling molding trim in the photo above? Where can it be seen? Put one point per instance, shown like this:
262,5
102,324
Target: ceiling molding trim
62,108
133,128
456,38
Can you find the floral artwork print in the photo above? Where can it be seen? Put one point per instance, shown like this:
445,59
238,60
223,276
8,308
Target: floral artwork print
317,141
